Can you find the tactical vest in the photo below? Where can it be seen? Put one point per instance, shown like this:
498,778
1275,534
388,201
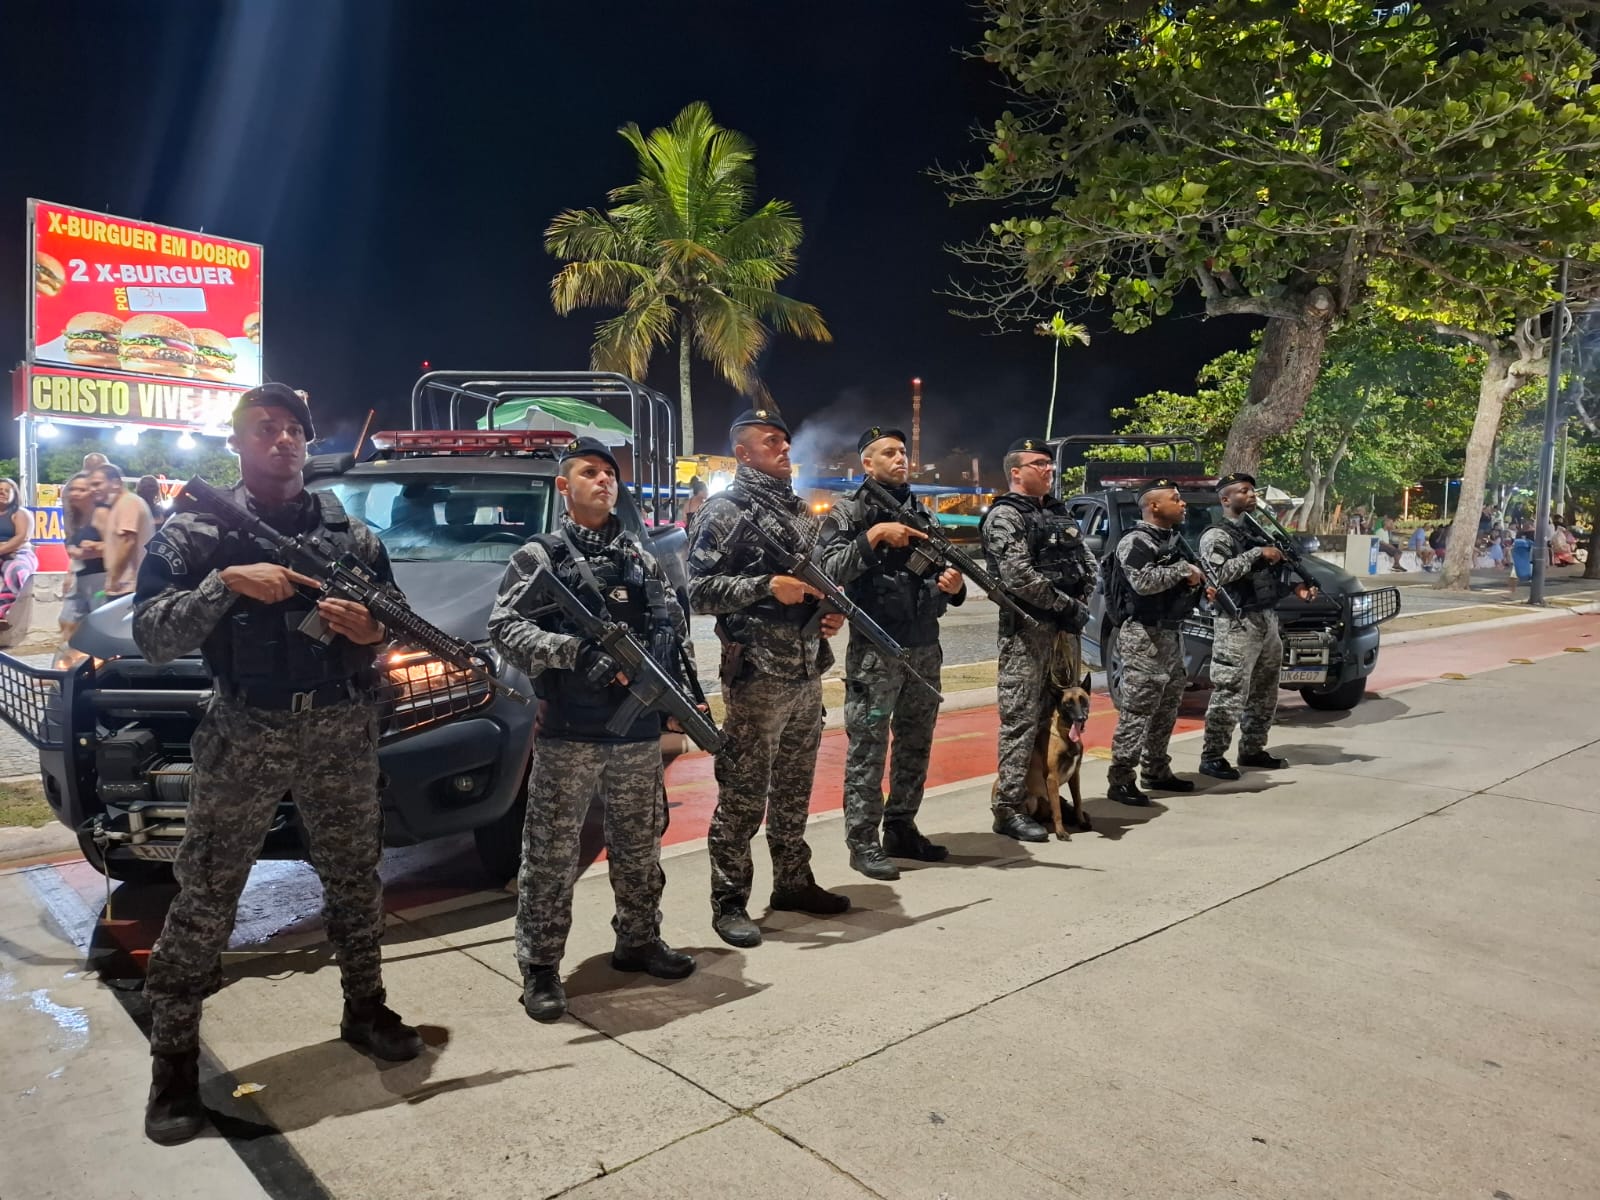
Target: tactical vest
260,647
900,590
747,555
576,707
1260,590
1057,551
1163,608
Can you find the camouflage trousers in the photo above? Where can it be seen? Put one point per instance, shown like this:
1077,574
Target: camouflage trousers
245,759
1153,679
1023,685
773,727
564,779
1245,660
878,700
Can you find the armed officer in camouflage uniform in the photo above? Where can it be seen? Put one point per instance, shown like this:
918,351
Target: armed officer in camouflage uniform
868,550
1247,652
289,714
1154,588
1036,551
580,689
774,653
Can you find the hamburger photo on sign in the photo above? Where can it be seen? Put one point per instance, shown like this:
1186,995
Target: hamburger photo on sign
155,345
94,340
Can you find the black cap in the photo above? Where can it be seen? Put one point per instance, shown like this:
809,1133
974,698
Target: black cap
1157,485
876,432
278,395
583,447
759,416
1234,477
1029,445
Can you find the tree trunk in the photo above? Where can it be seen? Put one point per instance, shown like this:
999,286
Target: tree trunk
1287,365
685,401
1493,388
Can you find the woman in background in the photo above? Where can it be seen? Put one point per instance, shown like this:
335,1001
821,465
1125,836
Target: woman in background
82,520
17,559
148,489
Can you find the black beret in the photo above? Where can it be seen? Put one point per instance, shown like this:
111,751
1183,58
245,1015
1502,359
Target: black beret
1035,445
759,416
585,446
278,395
1229,480
1157,485
876,432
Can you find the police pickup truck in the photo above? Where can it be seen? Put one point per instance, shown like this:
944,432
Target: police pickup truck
451,505
1330,642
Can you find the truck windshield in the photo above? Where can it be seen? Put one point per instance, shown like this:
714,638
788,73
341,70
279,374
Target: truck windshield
481,518
1202,513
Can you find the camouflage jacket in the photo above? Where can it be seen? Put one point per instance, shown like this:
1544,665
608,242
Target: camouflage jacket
1217,548
181,596
1006,542
531,648
730,577
1140,552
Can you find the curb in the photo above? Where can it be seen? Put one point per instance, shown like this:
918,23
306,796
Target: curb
1444,631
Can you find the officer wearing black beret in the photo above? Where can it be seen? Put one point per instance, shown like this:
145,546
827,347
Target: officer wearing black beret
1247,649
575,753
1036,551
775,650
871,552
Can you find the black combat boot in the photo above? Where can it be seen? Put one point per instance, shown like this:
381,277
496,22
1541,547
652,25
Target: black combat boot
867,857
1262,758
371,1025
1167,783
657,958
902,839
174,1113
1127,793
811,898
1020,826
1218,768
543,997
733,924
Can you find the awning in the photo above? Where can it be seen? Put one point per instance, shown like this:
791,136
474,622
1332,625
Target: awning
540,412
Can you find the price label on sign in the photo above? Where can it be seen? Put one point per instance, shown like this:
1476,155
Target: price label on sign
181,299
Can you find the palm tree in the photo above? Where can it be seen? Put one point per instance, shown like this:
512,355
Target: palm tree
1063,332
683,256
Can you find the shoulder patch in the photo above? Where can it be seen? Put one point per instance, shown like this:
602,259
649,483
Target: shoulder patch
169,554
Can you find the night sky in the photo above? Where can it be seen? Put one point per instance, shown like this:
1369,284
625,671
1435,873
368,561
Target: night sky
400,161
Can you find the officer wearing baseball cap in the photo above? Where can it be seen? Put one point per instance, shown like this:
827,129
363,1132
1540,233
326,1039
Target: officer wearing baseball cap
1036,550
869,549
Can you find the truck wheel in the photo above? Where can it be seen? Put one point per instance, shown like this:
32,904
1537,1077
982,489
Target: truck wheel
1342,698
125,870
500,841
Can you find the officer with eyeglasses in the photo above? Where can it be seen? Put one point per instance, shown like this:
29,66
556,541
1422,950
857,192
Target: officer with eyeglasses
1036,551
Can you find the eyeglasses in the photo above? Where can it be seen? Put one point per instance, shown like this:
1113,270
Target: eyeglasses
1043,464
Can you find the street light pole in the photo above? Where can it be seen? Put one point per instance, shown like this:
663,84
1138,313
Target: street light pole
1547,449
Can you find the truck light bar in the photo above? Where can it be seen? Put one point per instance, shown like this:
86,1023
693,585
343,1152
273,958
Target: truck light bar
469,441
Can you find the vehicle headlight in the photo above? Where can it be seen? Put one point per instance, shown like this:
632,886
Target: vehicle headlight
1361,607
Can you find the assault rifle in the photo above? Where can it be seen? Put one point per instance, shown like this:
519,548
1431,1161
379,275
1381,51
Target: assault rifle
1275,536
650,686
1223,600
342,577
803,567
939,551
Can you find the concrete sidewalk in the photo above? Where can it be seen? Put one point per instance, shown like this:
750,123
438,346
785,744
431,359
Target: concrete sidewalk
1373,974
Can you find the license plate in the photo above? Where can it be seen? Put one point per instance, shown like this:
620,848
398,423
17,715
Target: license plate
1299,675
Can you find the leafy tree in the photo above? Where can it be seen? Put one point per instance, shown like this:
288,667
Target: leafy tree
1392,406
154,454
682,254
1287,162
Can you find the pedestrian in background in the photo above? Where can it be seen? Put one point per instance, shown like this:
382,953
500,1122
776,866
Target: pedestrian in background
17,559
127,529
